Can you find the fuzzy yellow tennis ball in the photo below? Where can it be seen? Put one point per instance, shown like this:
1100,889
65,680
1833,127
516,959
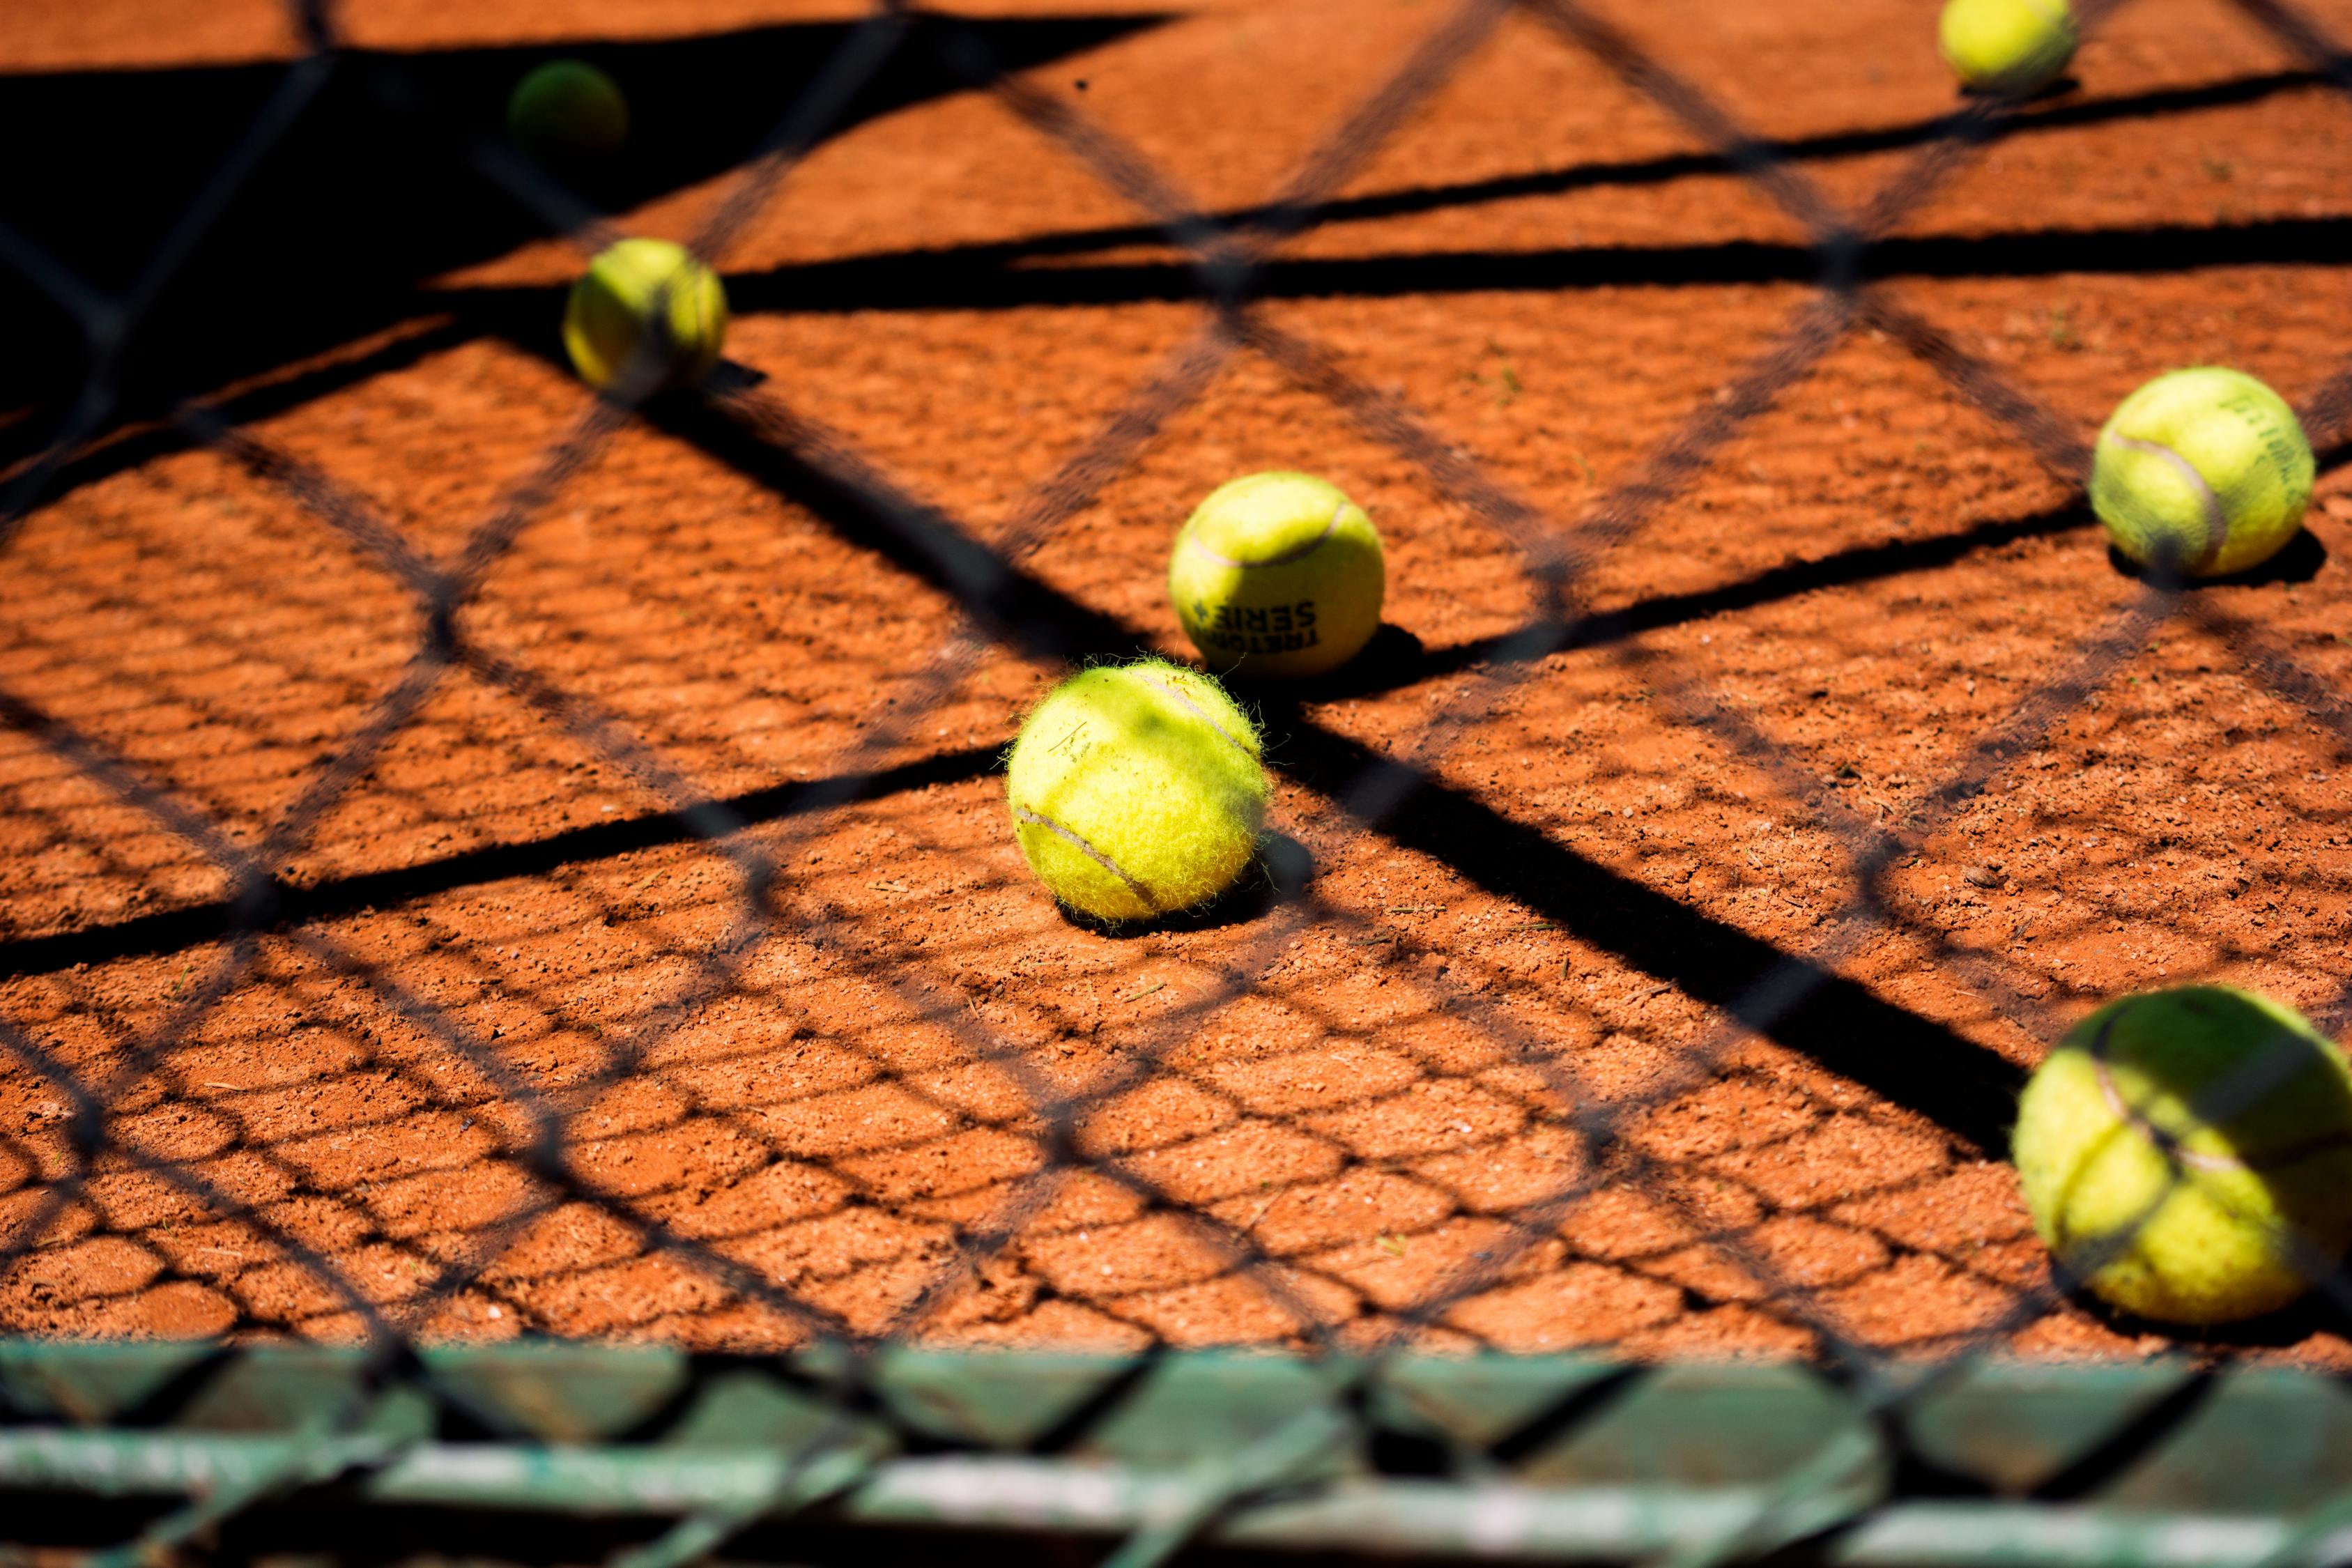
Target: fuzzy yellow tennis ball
2011,47
2203,471
2188,1153
566,111
1137,791
1278,574
648,308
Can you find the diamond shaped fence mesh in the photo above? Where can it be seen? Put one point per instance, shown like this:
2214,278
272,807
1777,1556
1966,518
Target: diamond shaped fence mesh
525,1034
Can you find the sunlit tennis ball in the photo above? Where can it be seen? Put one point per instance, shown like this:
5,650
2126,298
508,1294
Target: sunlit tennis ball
2188,1154
648,309
1137,791
566,111
2203,471
2012,48
1278,574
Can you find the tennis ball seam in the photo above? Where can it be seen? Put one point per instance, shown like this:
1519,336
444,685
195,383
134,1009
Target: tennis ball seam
1201,713
2175,1148
1287,557
2217,516
1077,841
2200,1178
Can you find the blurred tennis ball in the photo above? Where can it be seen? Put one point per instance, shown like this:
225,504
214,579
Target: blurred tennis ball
1278,574
2188,1154
2203,471
567,111
1137,791
648,309
2012,48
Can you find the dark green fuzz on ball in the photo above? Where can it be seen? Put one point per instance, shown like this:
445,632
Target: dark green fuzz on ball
568,112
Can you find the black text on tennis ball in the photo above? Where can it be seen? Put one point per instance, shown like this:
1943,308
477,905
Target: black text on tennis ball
1278,574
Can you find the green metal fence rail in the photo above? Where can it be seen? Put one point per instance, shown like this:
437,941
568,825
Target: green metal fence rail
1553,1458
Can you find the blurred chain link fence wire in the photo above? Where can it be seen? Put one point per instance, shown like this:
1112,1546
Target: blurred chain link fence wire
1862,1458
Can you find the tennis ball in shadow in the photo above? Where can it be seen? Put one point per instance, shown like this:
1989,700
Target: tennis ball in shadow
1137,791
645,314
2187,1154
1278,574
568,110
2010,47
2203,471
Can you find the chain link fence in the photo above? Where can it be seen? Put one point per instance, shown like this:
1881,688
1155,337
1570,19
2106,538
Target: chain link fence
822,1422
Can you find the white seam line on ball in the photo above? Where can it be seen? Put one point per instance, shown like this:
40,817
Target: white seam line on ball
2217,523
1090,852
2276,1160
1199,712
2132,1118
1286,557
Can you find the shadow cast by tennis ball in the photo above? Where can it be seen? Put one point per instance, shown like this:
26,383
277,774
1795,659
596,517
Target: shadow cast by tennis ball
2298,560
729,376
1393,657
2065,85
385,180
2315,1312
1281,871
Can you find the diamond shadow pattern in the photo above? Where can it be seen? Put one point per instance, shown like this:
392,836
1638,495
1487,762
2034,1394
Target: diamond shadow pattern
430,928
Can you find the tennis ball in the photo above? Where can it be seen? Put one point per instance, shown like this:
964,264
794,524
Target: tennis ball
1278,574
2188,1153
2203,471
645,307
1137,791
2012,48
566,111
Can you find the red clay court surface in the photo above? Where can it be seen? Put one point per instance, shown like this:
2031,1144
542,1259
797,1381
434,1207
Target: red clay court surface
1554,276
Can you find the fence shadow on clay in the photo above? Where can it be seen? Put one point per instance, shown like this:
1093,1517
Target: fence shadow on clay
677,1076
373,191
1488,848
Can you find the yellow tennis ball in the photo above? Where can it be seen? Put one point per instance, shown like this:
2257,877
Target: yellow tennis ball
566,111
2188,1153
2203,471
1137,791
647,307
1278,574
2012,48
